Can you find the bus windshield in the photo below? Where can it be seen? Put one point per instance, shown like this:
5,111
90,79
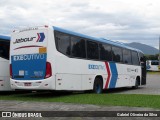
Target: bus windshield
4,49
154,63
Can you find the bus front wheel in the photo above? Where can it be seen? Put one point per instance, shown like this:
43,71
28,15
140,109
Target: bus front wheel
98,86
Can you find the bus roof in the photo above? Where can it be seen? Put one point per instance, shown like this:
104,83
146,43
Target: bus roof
118,44
5,37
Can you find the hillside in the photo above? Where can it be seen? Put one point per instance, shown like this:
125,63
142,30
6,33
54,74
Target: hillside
146,49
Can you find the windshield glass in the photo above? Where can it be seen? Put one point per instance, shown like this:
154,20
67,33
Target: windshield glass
155,63
4,49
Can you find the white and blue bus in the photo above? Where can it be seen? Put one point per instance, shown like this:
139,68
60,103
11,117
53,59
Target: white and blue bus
152,65
51,58
4,63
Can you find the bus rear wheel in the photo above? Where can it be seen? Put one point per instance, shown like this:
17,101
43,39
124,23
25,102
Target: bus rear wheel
98,86
136,84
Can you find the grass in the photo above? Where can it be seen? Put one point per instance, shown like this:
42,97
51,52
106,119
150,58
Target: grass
132,100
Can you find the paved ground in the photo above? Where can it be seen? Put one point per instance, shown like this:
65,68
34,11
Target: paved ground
152,87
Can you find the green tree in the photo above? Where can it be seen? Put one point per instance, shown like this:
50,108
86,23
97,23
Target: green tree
151,57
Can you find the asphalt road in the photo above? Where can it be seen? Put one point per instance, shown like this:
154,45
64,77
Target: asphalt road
152,87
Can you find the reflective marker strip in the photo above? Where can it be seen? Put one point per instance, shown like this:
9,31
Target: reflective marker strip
43,50
109,74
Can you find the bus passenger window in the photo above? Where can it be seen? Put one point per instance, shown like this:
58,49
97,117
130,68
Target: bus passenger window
135,59
127,56
92,50
105,52
63,43
117,54
78,47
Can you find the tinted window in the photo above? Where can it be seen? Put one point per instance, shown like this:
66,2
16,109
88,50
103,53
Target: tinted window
154,63
142,58
117,54
92,50
135,59
63,43
78,47
127,56
105,52
4,49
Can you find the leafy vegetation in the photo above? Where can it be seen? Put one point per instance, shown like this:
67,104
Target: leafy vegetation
108,99
152,57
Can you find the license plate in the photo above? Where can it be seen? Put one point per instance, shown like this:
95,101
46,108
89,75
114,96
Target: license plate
27,84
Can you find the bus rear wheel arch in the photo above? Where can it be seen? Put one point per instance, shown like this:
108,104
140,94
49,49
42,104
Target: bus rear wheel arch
98,85
137,83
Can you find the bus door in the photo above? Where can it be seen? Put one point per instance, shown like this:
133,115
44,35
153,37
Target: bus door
143,67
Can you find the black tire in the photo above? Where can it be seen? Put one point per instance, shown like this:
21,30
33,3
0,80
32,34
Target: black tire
98,86
136,85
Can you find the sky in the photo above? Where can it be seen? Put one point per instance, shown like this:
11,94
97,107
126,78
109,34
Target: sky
118,20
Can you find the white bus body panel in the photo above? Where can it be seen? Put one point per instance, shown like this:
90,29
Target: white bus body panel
38,41
154,68
73,68
151,67
4,75
73,73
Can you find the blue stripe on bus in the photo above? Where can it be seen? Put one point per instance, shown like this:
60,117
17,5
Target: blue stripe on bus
33,66
114,75
5,37
42,37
